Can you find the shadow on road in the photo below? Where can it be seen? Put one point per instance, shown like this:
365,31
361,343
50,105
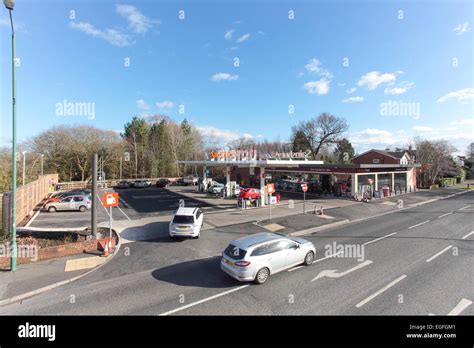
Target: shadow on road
153,232
205,273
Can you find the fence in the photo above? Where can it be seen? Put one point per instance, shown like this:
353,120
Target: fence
27,198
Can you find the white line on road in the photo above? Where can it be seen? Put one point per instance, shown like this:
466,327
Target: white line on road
363,302
439,217
421,223
467,206
294,268
437,254
327,257
375,240
204,300
462,305
102,205
467,235
124,213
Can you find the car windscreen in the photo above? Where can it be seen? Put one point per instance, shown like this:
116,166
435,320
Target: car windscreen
235,253
183,219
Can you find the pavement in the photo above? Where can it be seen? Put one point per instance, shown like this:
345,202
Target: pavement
414,259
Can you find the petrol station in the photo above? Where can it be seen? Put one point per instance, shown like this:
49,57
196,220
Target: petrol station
375,173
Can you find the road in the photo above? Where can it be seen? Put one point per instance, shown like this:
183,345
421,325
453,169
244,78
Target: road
417,261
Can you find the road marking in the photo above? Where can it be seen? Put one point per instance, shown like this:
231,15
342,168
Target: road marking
421,223
437,254
331,273
124,213
439,217
327,257
375,240
363,302
462,305
294,268
467,235
100,200
467,206
204,300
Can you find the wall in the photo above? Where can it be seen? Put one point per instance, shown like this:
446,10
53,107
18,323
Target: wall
370,156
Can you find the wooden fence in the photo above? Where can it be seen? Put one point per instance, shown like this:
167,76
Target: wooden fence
27,198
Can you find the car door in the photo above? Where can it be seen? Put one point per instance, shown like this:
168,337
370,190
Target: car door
276,255
294,253
64,204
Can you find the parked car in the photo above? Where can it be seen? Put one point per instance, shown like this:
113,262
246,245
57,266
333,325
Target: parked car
140,184
60,195
180,181
190,180
74,202
215,187
162,183
187,222
256,257
123,184
249,193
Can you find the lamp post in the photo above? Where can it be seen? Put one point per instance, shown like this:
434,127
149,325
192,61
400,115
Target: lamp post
24,166
9,4
42,157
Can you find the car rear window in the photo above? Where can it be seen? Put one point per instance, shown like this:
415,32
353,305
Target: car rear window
235,253
183,219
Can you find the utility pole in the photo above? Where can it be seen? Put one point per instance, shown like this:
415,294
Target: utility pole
94,196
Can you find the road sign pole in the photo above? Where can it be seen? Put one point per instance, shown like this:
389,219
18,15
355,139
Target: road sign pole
110,224
94,196
304,202
270,205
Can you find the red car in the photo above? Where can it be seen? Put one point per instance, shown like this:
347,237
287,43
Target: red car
249,193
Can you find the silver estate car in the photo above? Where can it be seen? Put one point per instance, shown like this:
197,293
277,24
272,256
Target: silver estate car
255,257
73,202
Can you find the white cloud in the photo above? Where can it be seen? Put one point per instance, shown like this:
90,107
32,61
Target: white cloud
462,28
403,87
112,36
243,38
374,136
228,34
374,78
219,135
465,94
247,136
353,100
423,129
224,77
320,87
351,90
137,21
165,104
467,121
141,104
314,66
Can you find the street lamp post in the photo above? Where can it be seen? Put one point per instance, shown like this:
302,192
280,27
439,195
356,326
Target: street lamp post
24,166
9,4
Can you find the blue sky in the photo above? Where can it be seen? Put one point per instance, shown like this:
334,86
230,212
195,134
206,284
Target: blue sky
349,58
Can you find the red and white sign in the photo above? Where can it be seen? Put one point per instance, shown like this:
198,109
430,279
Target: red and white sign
304,187
371,181
270,188
110,199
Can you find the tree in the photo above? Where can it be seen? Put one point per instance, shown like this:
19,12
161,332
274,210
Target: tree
434,158
344,151
319,132
136,135
299,141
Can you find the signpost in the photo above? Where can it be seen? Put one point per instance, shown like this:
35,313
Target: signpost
110,199
304,187
270,190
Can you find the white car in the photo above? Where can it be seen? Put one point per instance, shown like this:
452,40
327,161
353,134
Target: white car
255,257
187,222
191,180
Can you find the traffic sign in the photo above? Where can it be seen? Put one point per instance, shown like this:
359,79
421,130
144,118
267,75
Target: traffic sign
304,187
270,188
110,199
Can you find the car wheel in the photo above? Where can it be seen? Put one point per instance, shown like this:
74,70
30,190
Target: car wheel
82,208
262,275
52,209
309,258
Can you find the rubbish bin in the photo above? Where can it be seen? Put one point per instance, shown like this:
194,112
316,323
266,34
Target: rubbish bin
277,195
386,191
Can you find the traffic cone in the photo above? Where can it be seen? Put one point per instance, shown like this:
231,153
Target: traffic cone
106,250
110,244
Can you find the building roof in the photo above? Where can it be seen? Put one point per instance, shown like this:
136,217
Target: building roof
393,154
